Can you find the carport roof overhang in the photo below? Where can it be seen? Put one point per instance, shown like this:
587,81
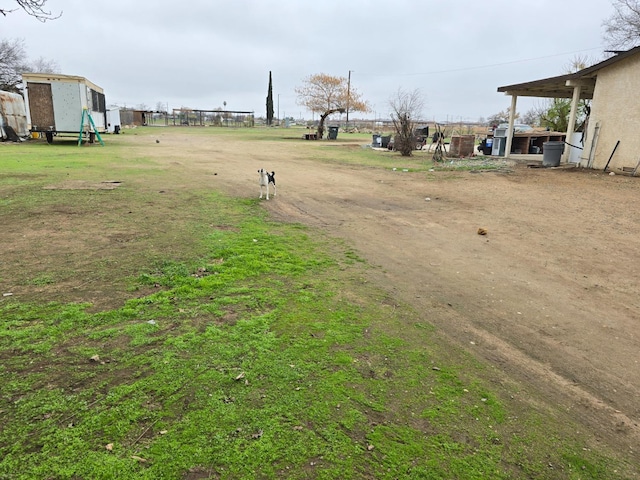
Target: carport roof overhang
577,86
554,87
564,85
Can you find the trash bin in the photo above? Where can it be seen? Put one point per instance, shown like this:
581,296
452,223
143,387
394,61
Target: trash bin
485,146
552,153
333,133
385,140
488,146
376,141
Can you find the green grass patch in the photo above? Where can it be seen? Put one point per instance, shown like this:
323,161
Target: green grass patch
245,348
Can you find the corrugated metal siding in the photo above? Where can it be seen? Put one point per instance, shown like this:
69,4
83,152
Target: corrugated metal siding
13,114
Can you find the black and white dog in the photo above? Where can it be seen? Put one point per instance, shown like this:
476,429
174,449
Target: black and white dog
267,179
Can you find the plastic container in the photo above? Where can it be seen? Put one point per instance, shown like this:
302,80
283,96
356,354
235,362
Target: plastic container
552,153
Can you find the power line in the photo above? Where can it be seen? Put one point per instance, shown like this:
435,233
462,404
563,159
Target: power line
479,67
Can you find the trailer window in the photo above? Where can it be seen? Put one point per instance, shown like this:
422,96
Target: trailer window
98,101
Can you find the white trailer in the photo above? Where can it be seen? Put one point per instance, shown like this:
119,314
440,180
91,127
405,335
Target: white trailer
113,120
59,104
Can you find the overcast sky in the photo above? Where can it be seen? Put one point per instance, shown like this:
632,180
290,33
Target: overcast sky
201,53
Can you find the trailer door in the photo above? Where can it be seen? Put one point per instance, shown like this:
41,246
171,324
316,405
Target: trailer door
41,107
68,105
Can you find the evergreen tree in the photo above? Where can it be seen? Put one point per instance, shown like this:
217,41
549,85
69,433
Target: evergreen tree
270,102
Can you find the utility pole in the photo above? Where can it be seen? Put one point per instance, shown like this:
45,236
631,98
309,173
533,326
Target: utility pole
348,96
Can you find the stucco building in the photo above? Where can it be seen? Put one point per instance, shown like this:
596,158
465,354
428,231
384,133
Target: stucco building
614,122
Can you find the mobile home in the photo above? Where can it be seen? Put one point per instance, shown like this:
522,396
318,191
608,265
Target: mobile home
59,104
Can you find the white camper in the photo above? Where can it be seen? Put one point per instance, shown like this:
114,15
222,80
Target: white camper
113,120
63,104
13,117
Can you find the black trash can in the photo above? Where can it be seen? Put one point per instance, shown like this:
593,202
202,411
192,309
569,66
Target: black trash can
376,141
386,139
552,153
333,133
486,146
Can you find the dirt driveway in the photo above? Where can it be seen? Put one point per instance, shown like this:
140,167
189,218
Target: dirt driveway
550,296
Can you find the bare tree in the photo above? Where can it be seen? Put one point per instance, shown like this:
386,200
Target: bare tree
533,116
577,63
35,8
500,117
12,61
406,108
622,28
326,95
42,65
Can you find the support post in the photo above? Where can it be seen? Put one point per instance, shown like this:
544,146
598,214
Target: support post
84,112
512,118
577,90
348,95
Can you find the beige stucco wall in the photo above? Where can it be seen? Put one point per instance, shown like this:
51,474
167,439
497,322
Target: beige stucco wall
616,106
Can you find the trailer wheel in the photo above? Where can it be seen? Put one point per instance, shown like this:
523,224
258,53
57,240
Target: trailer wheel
49,136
